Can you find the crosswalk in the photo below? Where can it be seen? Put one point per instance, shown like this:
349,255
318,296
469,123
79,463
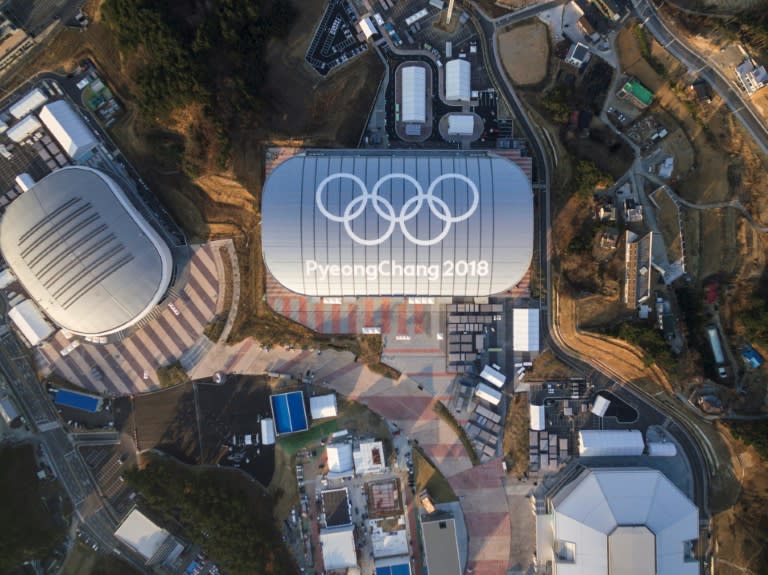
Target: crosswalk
130,366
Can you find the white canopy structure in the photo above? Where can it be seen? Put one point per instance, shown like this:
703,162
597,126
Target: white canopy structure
322,406
367,27
493,376
487,393
413,94
28,103
339,458
267,431
461,124
627,521
68,129
661,449
602,443
525,329
457,80
139,533
338,545
538,417
23,129
600,406
30,322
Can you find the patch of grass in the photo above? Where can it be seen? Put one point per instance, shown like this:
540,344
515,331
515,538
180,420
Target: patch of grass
446,415
644,44
171,374
283,488
296,441
516,435
28,528
426,476
213,330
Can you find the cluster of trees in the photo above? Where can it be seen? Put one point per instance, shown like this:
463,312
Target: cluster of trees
230,519
754,433
587,176
27,528
650,339
211,52
754,317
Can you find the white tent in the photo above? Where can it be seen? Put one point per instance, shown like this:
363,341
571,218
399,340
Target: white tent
457,80
29,103
601,443
139,533
461,124
525,329
267,431
367,27
322,406
413,93
23,129
30,322
68,128
493,376
600,406
8,410
487,393
661,449
338,546
538,417
339,458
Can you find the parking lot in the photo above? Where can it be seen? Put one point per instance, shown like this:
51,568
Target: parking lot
107,464
336,39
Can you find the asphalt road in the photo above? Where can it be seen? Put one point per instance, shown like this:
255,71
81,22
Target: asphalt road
729,91
58,450
599,374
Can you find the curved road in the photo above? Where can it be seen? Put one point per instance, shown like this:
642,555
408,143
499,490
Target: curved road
731,94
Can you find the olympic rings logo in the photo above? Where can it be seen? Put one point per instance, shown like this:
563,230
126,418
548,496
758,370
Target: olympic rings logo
386,210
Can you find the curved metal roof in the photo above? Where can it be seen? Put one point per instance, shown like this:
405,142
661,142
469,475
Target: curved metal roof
83,252
355,223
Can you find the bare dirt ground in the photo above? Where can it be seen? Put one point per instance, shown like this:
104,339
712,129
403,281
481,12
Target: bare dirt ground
516,435
525,52
547,366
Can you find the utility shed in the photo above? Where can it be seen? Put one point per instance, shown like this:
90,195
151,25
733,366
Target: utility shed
457,80
525,329
28,103
68,128
23,129
30,322
538,417
602,443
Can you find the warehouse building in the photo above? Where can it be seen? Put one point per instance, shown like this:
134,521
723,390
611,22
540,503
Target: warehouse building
68,129
153,543
458,75
23,129
618,521
30,322
28,103
84,254
414,94
610,442
397,223
441,545
338,544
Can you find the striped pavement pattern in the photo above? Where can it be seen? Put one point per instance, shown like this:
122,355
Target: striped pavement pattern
161,341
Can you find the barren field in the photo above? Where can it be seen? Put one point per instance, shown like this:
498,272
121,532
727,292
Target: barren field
525,52
166,420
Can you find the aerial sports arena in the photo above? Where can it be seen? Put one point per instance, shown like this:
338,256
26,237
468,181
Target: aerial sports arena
397,223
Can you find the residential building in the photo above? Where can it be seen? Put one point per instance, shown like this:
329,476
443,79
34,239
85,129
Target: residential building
751,76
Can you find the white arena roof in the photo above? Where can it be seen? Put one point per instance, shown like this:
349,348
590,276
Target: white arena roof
457,80
139,533
625,521
68,128
84,253
397,223
413,92
338,545
322,406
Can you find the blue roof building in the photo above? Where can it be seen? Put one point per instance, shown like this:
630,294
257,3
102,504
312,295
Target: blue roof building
752,357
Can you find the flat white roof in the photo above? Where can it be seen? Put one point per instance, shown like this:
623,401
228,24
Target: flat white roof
413,91
457,80
370,458
23,129
338,545
599,442
322,406
138,532
525,329
489,394
28,103
493,376
600,406
461,124
267,431
538,417
30,322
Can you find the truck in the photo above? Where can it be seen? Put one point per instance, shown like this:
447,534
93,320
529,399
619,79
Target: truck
717,350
